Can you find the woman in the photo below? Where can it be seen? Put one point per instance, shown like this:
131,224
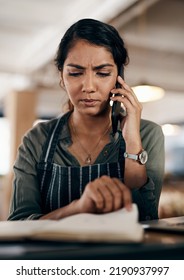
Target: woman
74,163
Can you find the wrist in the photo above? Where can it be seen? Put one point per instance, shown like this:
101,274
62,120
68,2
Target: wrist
75,207
133,147
133,142
141,157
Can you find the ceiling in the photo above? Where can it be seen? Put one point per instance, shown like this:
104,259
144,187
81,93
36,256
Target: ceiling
30,31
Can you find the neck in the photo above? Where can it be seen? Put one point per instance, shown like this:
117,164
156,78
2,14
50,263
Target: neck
90,124
88,140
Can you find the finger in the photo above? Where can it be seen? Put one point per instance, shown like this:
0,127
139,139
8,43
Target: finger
107,196
127,87
124,84
126,194
93,193
128,103
114,191
131,96
119,94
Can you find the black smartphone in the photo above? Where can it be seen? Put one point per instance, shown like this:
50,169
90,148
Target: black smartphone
116,108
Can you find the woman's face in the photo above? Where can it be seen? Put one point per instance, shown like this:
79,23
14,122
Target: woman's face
89,74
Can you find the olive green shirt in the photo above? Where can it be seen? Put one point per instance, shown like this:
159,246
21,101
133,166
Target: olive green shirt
26,197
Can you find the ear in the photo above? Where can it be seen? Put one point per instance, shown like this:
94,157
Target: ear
61,82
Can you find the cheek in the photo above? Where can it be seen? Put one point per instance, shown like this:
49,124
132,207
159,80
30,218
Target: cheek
72,87
106,87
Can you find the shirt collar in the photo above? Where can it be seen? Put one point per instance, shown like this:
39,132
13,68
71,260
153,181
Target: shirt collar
65,135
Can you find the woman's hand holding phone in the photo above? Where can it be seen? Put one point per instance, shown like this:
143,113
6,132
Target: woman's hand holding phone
134,173
130,124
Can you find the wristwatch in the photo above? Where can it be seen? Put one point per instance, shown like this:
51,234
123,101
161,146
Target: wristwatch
141,157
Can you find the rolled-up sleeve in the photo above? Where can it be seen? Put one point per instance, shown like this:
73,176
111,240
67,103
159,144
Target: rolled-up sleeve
26,198
147,197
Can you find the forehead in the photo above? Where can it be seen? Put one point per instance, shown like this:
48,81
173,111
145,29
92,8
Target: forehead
83,52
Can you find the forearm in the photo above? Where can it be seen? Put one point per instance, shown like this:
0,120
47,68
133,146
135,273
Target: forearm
68,210
146,200
135,174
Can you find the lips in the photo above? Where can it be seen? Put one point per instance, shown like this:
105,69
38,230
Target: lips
89,102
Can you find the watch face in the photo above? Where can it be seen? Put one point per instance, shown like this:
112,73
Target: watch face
143,157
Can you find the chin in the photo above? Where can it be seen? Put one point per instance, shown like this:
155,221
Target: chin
103,109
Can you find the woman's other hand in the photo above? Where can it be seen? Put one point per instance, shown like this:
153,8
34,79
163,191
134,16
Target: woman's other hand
104,195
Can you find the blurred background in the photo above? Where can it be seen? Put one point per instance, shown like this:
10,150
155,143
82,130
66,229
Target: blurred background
30,31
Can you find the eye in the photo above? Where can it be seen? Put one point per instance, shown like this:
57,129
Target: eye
103,74
74,74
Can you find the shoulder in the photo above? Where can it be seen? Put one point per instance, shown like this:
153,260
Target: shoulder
41,130
32,143
150,127
151,134
35,138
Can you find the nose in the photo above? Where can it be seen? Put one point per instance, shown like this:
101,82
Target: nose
88,83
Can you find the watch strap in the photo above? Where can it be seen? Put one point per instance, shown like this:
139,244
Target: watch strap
131,156
141,157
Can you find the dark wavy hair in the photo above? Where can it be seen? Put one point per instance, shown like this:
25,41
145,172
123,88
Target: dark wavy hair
97,33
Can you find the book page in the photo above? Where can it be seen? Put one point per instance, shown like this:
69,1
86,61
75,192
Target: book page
117,226
121,225
17,230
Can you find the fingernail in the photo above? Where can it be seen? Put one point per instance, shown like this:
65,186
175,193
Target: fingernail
129,207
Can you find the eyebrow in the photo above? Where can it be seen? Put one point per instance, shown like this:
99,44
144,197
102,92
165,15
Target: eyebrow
94,68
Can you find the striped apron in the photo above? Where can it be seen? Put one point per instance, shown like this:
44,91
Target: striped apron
60,185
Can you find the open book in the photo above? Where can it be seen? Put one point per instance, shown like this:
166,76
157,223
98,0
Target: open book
118,226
